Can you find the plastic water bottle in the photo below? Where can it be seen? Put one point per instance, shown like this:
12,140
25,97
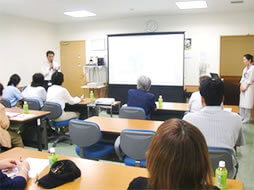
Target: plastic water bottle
160,100
91,95
25,108
53,158
221,174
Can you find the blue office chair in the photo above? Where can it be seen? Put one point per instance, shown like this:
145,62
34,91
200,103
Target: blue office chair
131,146
130,112
6,103
217,154
87,136
33,103
55,112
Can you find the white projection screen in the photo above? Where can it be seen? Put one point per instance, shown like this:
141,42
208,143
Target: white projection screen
157,55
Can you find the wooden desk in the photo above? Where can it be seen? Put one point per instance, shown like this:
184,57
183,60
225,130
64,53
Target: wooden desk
94,174
86,101
36,115
116,125
176,106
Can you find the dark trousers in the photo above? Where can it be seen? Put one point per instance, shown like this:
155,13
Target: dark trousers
81,109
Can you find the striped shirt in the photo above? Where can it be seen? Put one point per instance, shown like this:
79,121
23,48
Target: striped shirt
220,128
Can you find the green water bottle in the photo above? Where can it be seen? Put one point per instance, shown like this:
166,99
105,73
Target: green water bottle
91,95
25,108
160,100
221,174
53,158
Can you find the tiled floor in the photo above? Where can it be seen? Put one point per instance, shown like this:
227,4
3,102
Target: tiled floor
245,155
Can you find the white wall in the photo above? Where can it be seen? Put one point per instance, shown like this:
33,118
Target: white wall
205,31
23,44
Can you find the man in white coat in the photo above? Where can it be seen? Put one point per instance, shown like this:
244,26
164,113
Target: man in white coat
49,67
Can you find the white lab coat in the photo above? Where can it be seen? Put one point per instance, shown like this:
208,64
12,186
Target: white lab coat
48,73
247,97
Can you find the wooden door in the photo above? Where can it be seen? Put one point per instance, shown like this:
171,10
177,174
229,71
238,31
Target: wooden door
73,58
231,55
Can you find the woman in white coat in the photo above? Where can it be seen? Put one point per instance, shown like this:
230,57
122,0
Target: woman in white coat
247,89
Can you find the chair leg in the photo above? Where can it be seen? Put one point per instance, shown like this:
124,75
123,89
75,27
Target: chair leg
60,139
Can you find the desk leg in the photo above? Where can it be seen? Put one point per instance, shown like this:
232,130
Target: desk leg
111,111
39,134
88,112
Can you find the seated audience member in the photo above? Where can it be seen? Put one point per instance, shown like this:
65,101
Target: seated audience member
20,180
36,90
58,94
195,99
141,97
1,90
177,159
220,128
11,92
8,135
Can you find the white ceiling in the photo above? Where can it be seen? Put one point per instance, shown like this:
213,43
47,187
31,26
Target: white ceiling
52,10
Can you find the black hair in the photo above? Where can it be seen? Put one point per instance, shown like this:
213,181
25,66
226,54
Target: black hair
249,57
38,80
49,52
213,91
57,78
1,89
14,80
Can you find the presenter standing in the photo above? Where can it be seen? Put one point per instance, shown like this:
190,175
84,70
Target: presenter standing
49,67
247,89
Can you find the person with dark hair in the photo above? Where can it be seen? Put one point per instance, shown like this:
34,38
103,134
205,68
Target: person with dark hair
11,92
247,89
58,94
141,97
220,128
36,90
195,99
1,90
49,67
177,159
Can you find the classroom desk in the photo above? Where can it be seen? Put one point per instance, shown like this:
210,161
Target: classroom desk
94,174
176,106
86,101
36,115
116,125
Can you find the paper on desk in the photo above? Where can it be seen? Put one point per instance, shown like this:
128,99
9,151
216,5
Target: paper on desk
11,114
22,116
228,109
36,166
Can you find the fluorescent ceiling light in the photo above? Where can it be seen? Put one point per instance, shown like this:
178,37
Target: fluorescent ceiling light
192,5
79,13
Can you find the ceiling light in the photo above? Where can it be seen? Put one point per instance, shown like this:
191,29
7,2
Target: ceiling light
192,5
79,13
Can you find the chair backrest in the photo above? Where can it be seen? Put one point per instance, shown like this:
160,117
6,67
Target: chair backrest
55,110
84,133
132,112
33,104
135,143
218,154
6,103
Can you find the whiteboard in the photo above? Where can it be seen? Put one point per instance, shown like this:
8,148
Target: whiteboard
158,56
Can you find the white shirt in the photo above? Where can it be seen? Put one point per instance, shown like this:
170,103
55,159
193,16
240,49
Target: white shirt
60,95
220,128
35,92
247,97
195,103
48,73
